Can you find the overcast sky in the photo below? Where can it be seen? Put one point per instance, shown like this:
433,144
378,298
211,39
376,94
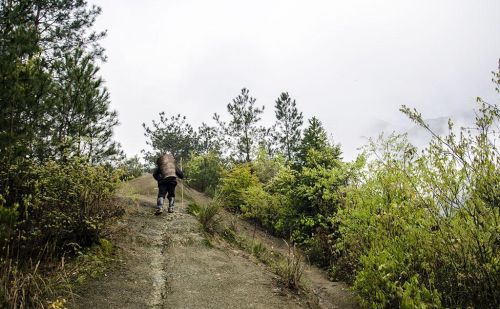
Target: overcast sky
350,63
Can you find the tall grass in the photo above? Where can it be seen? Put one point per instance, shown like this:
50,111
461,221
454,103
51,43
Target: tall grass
208,215
31,287
291,268
53,211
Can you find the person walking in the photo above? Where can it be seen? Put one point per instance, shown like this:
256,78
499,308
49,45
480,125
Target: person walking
166,173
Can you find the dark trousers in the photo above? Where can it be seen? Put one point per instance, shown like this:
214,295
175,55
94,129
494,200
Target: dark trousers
166,187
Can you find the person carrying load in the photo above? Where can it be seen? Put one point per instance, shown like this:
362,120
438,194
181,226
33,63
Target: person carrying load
166,173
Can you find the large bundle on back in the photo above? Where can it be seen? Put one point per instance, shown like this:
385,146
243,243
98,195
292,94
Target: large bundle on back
166,164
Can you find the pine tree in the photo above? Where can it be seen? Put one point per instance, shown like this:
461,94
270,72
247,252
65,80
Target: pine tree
209,139
242,131
82,117
289,121
35,36
314,135
267,140
172,135
315,138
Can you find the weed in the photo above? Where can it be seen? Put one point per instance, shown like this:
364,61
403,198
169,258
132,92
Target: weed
291,268
93,261
258,249
229,234
193,209
30,286
207,215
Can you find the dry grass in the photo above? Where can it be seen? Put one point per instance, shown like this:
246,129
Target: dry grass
48,282
143,185
31,287
291,268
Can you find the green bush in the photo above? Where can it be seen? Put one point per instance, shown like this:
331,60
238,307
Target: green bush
265,166
387,280
406,229
72,202
374,207
63,204
294,204
49,210
131,168
242,191
234,185
93,261
422,230
203,172
8,221
313,196
260,206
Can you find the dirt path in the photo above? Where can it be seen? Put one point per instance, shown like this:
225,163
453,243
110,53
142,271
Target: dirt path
329,294
165,262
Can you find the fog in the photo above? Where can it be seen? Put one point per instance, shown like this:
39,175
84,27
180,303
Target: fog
350,63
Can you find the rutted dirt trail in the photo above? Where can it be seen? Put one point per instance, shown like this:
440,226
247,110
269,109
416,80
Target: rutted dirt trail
166,262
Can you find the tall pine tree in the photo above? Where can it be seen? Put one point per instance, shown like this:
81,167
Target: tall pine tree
209,139
83,119
35,38
289,121
316,138
172,135
242,130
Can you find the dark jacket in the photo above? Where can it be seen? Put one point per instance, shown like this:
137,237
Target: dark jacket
158,176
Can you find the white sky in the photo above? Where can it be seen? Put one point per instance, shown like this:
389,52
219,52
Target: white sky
350,63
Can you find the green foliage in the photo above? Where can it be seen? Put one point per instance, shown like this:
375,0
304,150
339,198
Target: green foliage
234,184
82,116
315,137
210,140
207,215
172,135
65,205
52,102
406,229
288,121
420,230
374,199
93,261
385,281
260,206
265,166
203,172
242,131
58,209
55,122
8,221
241,191
316,194
293,204
131,168
54,116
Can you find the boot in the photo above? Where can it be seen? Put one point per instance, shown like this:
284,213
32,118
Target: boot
171,201
159,206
